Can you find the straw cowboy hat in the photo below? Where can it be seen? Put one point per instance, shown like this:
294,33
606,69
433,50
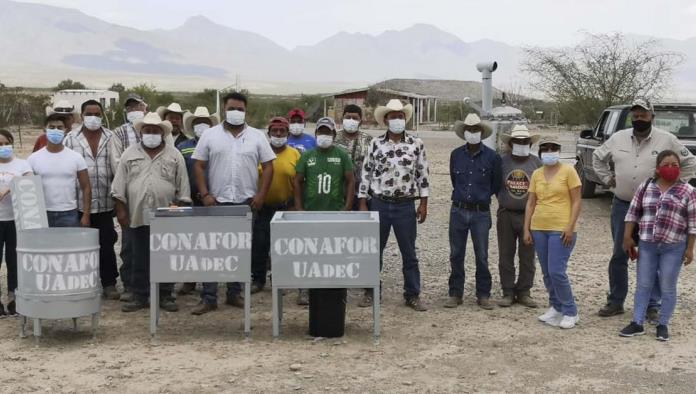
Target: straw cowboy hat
394,105
199,113
473,124
519,131
153,119
173,107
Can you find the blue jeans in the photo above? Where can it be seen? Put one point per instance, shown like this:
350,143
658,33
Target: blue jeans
553,258
618,265
63,218
462,221
401,216
660,261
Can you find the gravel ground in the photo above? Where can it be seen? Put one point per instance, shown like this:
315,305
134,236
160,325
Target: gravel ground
462,350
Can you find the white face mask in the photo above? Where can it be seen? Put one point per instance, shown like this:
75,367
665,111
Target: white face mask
200,128
350,125
397,126
132,116
92,122
278,142
472,138
296,129
235,117
520,150
324,141
152,140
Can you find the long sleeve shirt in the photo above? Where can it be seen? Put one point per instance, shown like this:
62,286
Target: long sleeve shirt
475,178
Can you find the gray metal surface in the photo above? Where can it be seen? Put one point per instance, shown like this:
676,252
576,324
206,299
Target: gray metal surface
28,202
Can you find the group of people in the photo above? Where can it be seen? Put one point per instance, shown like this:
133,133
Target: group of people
174,157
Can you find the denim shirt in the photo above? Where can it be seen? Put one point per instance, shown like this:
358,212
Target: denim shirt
475,178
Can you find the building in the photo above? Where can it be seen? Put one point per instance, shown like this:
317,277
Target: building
76,97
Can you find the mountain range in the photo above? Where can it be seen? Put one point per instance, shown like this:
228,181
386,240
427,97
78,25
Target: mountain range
41,45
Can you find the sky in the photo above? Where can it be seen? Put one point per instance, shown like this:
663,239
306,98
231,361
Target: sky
306,22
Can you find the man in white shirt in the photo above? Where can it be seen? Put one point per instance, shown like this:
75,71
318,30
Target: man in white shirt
226,171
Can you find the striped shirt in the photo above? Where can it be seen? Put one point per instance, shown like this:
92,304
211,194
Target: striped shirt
664,217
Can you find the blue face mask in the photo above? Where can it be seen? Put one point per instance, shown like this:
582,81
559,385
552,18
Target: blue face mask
6,151
55,136
550,158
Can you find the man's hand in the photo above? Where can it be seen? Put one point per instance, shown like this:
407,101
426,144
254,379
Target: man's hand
567,237
612,182
257,202
528,240
84,221
422,212
122,218
688,256
209,201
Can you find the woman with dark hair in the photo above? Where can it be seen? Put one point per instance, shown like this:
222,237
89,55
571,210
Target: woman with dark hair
10,167
664,208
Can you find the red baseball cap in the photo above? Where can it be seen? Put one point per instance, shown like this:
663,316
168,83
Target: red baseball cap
278,121
296,112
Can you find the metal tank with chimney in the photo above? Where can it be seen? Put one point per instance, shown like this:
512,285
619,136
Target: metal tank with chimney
502,118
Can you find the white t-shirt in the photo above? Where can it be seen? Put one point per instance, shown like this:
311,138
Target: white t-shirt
58,173
233,162
17,167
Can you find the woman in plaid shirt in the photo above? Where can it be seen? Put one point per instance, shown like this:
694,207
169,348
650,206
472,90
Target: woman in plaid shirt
664,207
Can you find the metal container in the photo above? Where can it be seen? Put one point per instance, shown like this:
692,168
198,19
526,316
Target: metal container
58,273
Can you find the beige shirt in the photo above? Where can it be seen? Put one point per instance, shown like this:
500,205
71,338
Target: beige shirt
144,184
634,161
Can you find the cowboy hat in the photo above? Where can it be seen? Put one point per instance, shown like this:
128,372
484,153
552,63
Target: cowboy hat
519,131
472,123
394,105
151,118
199,113
173,107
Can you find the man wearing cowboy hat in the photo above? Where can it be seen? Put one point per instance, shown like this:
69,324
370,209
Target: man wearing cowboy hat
150,175
64,109
476,176
395,173
517,168
175,115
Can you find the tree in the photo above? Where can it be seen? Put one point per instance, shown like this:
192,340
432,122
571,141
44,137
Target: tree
117,87
603,70
69,84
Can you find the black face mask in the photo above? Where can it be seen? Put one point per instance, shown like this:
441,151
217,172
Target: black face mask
641,126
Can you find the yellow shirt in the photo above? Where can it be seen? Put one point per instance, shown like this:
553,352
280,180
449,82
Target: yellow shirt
281,190
553,206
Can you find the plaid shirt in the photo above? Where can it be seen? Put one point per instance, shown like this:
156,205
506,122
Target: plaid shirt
101,169
664,217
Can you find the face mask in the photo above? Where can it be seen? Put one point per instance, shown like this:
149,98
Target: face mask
152,140
235,117
520,150
397,126
199,129
668,173
641,126
350,125
55,136
135,115
296,128
324,141
472,138
6,151
279,142
550,158
92,122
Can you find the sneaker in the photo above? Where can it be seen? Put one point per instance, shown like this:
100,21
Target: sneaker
453,302
485,303
135,305
168,304
611,310
527,301
203,308
554,321
187,288
662,333
416,304
110,293
235,300
551,313
652,315
506,301
127,296
257,287
632,330
366,300
568,322
12,308
302,297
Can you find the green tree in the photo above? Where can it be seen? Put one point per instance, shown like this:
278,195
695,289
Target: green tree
69,84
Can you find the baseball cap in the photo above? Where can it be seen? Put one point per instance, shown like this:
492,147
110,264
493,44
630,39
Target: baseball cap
549,139
296,112
643,104
133,97
326,122
278,121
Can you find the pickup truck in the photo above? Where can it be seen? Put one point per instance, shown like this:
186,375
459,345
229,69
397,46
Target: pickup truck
679,119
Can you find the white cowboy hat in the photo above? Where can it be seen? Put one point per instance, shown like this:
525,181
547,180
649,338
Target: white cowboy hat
151,118
394,105
173,107
473,123
199,113
519,131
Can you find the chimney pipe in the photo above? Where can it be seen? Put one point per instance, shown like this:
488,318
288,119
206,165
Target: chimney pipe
486,70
